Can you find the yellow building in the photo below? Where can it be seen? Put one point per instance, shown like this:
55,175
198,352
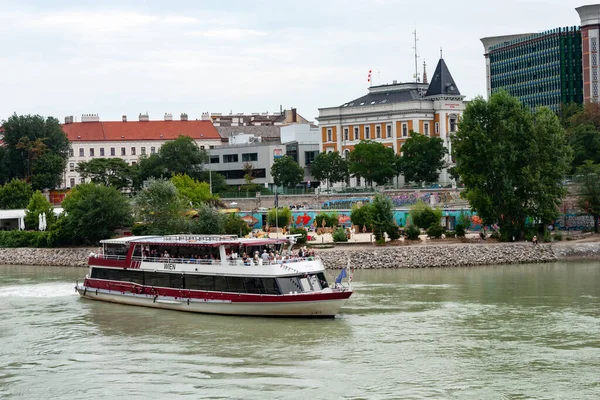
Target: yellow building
389,112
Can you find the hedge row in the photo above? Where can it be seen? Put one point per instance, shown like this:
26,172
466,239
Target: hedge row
25,239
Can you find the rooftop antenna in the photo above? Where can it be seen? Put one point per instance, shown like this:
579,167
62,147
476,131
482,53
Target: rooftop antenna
416,76
441,56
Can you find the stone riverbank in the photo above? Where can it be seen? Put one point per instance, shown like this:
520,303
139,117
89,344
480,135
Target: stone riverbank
368,257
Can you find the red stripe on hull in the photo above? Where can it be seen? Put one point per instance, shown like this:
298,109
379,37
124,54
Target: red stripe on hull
127,287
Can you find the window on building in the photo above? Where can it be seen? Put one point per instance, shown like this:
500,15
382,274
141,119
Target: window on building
329,135
214,159
152,150
81,180
404,130
201,147
91,152
123,151
81,150
72,182
101,151
367,132
211,147
358,181
71,167
133,151
309,156
346,154
437,127
452,124
133,163
143,151
355,133
249,156
346,132
228,158
388,131
70,152
426,128
112,151
378,132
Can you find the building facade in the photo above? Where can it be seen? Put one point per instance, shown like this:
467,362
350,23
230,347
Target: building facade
128,140
551,68
388,113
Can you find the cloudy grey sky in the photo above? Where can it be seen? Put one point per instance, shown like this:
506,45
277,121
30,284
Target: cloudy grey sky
67,57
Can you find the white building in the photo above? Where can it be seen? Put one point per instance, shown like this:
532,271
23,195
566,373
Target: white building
389,112
128,140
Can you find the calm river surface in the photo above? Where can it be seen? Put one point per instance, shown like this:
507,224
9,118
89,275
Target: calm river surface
507,332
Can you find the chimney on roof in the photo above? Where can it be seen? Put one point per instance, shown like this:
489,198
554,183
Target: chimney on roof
184,117
144,117
90,118
294,115
124,119
69,119
168,117
205,116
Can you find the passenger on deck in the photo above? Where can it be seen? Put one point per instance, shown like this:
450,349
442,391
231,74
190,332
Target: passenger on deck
265,257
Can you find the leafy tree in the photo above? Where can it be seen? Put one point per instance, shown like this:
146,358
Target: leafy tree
588,180
113,172
361,215
382,218
567,111
36,150
192,191
15,194
92,212
423,216
329,167
286,172
585,141
331,220
339,235
161,208
218,181
422,158
279,217
179,156
511,161
235,225
38,204
373,161
590,114
3,165
208,221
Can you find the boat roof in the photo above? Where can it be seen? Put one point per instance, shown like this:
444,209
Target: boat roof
196,240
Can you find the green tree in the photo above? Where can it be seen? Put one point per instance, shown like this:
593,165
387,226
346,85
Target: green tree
160,207
92,212
567,111
192,191
511,161
38,204
36,150
218,181
372,161
584,139
113,172
330,168
422,158
382,218
423,216
15,194
235,225
361,215
588,190
286,172
279,217
179,156
209,221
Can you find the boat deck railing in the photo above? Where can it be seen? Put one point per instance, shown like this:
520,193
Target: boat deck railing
231,263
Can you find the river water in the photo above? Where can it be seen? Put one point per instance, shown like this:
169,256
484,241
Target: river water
498,332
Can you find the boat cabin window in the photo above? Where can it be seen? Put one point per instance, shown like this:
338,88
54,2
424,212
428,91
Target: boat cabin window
115,250
123,275
289,285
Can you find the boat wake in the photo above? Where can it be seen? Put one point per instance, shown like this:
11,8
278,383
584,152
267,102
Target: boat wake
50,289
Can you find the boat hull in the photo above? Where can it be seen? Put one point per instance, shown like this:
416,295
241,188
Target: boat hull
299,306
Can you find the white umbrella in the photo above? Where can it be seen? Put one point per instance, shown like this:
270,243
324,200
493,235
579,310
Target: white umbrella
44,224
22,224
41,222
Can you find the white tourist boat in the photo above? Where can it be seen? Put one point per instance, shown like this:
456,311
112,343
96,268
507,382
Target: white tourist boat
215,274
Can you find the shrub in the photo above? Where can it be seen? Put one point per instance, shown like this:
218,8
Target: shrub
547,236
361,215
450,234
283,216
139,229
435,231
339,235
380,241
412,232
24,239
496,235
424,216
331,220
558,236
460,231
301,231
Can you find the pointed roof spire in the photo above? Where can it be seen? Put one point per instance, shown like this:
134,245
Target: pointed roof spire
442,81
424,72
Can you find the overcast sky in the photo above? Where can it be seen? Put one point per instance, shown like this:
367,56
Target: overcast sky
66,57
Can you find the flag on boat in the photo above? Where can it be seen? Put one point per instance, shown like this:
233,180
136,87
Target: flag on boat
341,276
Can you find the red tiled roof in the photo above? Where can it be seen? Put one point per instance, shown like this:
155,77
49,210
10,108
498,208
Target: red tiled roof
136,130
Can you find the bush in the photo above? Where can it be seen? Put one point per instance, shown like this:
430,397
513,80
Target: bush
435,231
496,235
460,231
339,235
300,231
424,216
412,232
139,229
24,239
279,217
450,234
331,220
547,236
558,236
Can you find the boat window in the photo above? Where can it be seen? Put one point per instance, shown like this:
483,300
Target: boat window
289,285
220,284
322,280
137,250
111,249
199,282
176,281
123,275
270,286
159,279
236,284
254,285
305,284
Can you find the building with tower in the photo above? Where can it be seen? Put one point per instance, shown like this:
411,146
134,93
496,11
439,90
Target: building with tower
388,113
555,67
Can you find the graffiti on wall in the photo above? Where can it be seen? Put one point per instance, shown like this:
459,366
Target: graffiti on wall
574,222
